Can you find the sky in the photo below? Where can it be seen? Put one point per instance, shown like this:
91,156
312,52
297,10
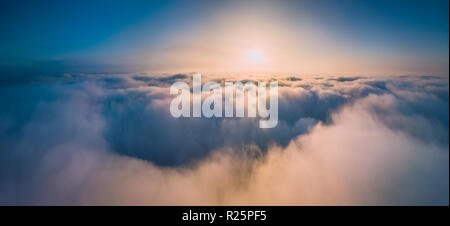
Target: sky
305,37
363,103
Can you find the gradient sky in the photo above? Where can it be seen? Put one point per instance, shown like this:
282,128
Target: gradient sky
311,37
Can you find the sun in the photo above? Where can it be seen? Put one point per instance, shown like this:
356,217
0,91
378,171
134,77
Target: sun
255,56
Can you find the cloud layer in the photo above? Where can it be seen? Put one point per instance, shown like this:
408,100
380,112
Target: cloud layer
110,139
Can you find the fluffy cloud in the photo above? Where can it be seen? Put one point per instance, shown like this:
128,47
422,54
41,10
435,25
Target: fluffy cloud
109,139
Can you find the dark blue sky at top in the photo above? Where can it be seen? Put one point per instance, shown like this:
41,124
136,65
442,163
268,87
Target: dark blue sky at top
61,35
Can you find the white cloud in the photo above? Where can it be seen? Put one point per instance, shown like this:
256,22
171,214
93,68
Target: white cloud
102,141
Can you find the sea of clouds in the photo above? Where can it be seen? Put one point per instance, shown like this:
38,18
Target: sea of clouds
107,139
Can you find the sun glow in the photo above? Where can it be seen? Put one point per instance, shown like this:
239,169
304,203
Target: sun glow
255,56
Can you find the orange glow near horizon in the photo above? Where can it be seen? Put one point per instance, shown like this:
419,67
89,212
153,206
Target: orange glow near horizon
265,41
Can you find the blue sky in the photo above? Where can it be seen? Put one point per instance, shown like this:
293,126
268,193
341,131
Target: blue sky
118,36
